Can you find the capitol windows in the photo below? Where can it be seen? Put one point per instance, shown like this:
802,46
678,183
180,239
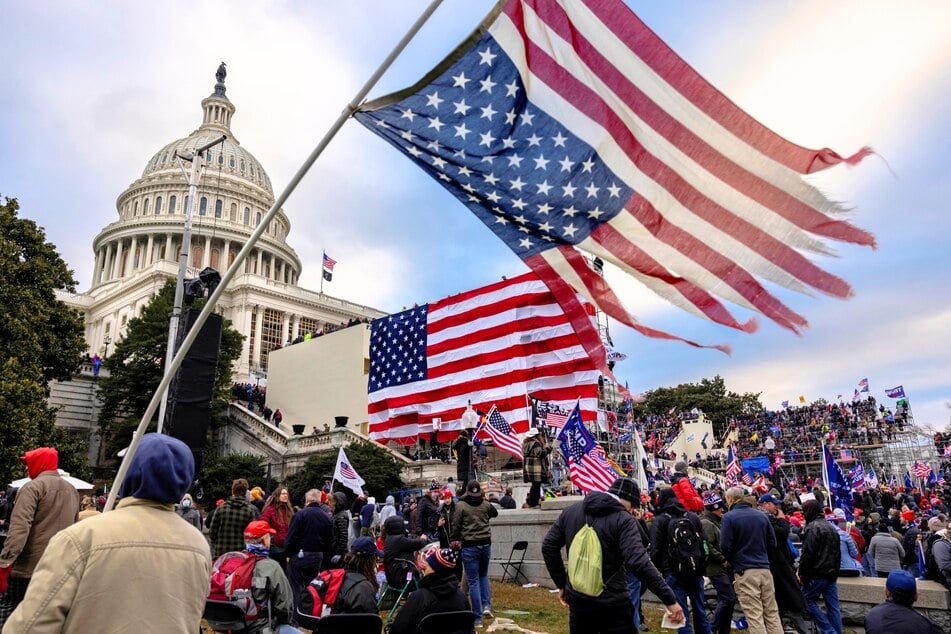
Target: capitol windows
233,217
218,205
247,215
198,254
203,206
171,204
135,208
242,165
221,158
145,207
158,205
231,162
215,256
257,219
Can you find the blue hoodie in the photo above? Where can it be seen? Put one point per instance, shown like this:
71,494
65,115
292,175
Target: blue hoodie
162,470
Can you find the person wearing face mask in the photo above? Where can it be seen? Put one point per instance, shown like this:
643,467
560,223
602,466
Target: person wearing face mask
187,511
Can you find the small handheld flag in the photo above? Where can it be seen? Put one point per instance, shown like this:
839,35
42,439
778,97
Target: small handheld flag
346,475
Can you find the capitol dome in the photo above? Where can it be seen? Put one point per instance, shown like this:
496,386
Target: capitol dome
233,195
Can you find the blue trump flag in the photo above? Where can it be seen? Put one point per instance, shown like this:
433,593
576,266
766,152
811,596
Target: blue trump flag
908,484
838,482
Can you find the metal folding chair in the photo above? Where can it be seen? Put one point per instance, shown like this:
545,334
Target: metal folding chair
461,622
513,567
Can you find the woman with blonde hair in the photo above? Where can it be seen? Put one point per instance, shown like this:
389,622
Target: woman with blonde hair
278,513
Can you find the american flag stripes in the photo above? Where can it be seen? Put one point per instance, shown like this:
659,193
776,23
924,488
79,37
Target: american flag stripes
345,474
503,438
921,469
493,344
585,460
329,262
569,127
733,468
747,480
863,385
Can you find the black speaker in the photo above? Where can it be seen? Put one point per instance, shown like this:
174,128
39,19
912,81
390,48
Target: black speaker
188,412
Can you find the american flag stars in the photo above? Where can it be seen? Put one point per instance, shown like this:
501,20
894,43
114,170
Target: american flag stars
534,185
398,349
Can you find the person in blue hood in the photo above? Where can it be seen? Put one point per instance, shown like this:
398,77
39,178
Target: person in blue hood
154,568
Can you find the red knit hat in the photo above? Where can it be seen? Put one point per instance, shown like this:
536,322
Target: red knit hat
908,516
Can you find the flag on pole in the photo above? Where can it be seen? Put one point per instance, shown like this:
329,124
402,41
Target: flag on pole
837,482
328,267
871,480
921,469
908,485
863,385
588,473
570,129
747,479
932,478
494,344
345,474
855,396
895,392
733,468
501,433
858,477
802,399
785,404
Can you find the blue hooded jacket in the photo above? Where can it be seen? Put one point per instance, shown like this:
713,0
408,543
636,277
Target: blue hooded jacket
162,470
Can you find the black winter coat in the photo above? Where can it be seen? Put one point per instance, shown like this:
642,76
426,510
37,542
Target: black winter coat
357,595
427,517
820,556
438,592
788,595
660,532
622,550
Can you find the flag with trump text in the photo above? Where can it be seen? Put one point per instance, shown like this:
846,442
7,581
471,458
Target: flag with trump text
838,483
494,344
571,129
895,392
585,459
498,429
345,474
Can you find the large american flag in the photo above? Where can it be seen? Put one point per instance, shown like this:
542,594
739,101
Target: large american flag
586,463
569,127
733,468
493,344
921,469
501,433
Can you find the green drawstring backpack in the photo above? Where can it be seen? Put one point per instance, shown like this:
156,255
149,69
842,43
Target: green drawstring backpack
584,562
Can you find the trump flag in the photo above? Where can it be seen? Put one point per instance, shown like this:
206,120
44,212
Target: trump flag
570,129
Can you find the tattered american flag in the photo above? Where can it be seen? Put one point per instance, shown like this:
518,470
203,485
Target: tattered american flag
569,127
490,345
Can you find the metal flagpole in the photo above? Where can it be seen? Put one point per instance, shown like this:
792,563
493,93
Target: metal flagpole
322,258
252,241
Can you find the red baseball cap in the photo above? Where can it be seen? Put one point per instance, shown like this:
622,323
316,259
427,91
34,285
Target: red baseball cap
258,529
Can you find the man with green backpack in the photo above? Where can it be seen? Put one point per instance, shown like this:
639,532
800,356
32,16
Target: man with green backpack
603,544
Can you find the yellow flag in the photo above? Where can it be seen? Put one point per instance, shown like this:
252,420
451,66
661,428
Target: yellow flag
802,399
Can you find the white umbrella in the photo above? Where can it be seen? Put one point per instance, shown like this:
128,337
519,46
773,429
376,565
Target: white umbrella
79,485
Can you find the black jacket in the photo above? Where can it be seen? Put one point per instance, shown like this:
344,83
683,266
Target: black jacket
438,592
889,617
341,523
357,595
909,542
820,556
312,532
427,517
671,507
397,545
622,550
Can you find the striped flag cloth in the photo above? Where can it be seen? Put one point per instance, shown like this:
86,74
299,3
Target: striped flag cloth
871,480
345,474
733,468
493,344
921,469
498,429
858,477
329,262
747,480
863,385
589,472
568,127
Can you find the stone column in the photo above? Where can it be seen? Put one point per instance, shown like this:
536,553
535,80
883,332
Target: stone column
169,254
107,264
130,262
283,271
147,260
206,256
95,268
260,269
225,262
258,327
117,264
295,329
285,328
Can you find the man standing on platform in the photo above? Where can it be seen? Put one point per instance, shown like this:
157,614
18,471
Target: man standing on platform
535,465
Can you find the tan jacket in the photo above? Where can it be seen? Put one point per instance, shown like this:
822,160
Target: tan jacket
139,568
44,506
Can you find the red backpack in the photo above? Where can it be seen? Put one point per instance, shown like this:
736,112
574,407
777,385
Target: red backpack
320,596
231,581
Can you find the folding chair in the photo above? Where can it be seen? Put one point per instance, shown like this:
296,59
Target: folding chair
348,624
224,616
392,596
461,622
513,568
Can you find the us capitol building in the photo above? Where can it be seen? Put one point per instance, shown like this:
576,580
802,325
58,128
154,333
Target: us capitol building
136,254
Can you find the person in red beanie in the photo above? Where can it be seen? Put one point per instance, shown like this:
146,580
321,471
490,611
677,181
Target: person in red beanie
909,542
44,505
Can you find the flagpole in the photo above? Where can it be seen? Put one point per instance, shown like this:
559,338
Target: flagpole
825,474
176,363
322,260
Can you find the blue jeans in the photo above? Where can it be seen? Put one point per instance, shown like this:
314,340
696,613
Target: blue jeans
634,589
475,561
868,566
831,621
691,589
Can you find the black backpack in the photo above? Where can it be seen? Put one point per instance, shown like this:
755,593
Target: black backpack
686,551
931,571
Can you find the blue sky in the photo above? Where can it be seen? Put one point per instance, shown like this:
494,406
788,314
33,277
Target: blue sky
92,89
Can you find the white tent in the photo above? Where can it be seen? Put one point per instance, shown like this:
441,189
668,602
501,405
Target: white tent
79,485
